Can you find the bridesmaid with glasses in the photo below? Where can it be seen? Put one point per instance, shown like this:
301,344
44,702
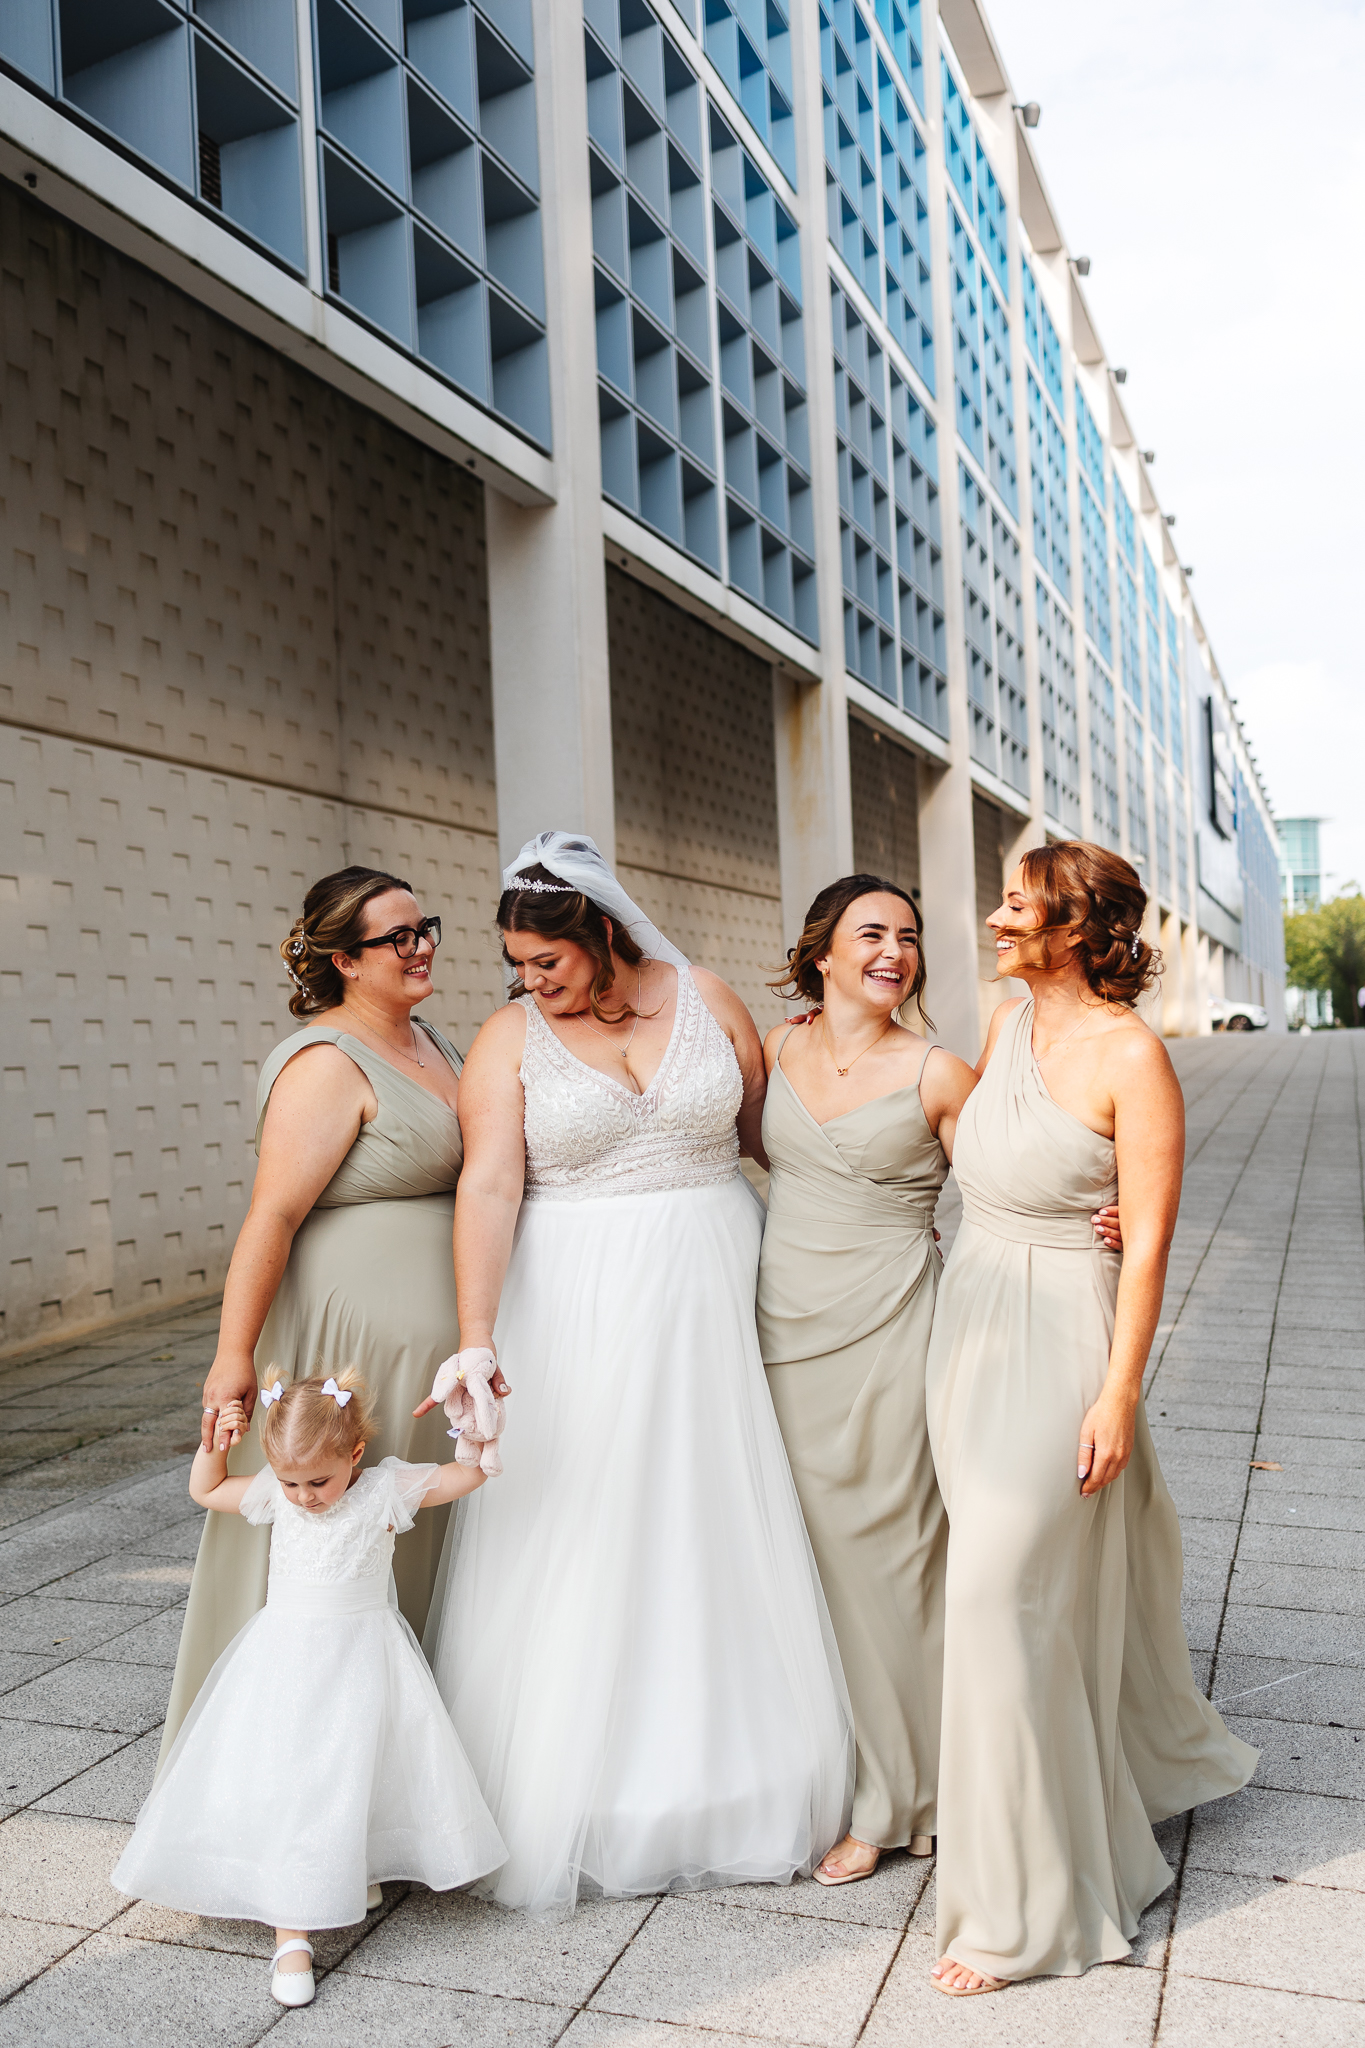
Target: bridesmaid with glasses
344,1256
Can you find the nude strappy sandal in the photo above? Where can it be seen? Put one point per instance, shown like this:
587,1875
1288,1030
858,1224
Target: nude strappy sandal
963,1990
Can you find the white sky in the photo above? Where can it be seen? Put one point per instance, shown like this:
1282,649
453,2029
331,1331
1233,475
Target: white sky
1210,159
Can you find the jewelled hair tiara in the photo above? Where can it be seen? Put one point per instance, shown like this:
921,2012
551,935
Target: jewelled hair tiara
545,888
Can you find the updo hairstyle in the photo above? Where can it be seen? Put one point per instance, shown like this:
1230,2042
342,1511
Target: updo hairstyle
333,921
568,915
803,977
306,1423
1087,890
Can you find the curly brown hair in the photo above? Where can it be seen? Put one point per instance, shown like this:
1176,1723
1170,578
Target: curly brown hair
333,921
1085,889
804,978
559,912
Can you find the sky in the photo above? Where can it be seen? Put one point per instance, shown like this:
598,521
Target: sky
1209,158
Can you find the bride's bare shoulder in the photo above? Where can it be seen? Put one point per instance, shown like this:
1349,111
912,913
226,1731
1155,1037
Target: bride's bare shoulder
501,1036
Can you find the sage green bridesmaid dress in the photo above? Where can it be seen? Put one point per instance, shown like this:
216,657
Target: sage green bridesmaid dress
846,1285
1071,1720
370,1282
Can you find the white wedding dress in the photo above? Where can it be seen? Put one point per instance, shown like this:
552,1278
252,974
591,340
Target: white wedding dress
633,1643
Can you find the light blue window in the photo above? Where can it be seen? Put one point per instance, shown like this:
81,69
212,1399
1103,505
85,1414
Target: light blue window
1175,703
959,143
851,145
1156,688
905,228
1125,529
749,42
966,336
1135,777
1151,589
919,559
1057,678
901,27
992,221
1001,459
1182,847
1040,339
1162,811
1037,462
1090,447
1030,296
1058,516
1008,615
982,692
1130,646
1104,764
1095,573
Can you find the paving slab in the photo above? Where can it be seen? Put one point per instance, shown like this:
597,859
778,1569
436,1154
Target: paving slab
1110,2005
1294,1836
1298,1757
37,1760
126,1699
56,1869
112,1789
128,1579
27,1947
112,1990
1270,1688
886,1899
465,1944
1198,2013
782,1977
1288,1937
348,2012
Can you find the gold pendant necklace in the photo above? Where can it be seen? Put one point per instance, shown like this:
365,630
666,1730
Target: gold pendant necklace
829,1048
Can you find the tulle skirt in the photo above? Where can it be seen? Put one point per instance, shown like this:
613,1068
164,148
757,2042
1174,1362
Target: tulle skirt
317,1759
633,1641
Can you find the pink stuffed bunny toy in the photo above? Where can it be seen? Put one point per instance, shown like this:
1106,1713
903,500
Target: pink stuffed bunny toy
476,1414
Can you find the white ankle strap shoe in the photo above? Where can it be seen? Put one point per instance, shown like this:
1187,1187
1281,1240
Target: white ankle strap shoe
292,1987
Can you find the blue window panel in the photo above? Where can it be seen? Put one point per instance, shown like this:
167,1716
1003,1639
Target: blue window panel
1156,688
1040,338
749,42
1104,763
959,143
1175,700
1090,447
1002,461
1095,573
966,337
1037,464
1150,586
900,23
1135,777
1182,848
851,144
1058,515
992,221
1030,297
905,228
1162,809
1125,529
1130,651
1057,682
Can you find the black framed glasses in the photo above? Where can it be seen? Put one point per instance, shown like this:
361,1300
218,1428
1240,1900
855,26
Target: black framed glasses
406,939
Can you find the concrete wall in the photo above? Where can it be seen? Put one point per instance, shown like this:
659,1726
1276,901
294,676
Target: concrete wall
696,788
243,641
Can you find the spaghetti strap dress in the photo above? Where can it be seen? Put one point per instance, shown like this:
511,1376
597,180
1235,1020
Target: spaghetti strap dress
1071,1720
369,1283
846,1287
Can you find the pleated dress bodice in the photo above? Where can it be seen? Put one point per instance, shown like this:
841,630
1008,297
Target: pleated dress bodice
369,1282
846,1286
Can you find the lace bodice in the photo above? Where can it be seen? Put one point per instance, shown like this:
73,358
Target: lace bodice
588,1136
352,1539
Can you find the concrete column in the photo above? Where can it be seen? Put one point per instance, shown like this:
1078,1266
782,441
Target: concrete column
814,806
547,589
947,863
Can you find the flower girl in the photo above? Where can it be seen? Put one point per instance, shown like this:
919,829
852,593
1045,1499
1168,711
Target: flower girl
318,1758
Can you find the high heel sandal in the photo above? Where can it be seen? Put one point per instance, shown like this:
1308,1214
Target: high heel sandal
292,1987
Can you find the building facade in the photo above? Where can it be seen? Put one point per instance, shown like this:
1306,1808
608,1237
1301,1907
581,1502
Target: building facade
432,420
1301,862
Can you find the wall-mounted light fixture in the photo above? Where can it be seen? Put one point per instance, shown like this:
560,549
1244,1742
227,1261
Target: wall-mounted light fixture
1187,568
1030,110
1169,517
1149,455
1081,265
1120,376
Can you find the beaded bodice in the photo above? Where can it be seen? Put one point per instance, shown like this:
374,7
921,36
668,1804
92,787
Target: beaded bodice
352,1539
589,1136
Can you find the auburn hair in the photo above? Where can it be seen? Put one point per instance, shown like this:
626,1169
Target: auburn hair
568,915
1094,895
333,921
306,1423
804,978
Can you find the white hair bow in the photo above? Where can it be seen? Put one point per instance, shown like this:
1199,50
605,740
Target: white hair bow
331,1387
269,1394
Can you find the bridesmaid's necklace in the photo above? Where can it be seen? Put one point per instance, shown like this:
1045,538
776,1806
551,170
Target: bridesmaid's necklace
830,1042
1057,1046
398,1048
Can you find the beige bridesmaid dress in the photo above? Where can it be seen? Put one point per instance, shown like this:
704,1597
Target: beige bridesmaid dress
1071,1720
846,1285
369,1282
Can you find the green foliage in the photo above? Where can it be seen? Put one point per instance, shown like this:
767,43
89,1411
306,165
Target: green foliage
1325,948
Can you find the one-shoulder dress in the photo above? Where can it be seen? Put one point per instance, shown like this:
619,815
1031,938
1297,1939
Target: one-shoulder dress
634,1646
369,1282
846,1286
1071,1720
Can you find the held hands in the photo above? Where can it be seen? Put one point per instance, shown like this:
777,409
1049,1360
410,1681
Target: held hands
1106,1445
230,1381
233,1424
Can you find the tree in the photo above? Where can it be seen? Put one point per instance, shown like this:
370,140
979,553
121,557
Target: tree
1325,948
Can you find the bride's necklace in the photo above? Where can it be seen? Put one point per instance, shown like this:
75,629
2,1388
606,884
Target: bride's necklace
622,1049
830,1043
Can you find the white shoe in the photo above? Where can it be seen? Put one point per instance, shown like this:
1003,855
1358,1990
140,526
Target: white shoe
374,1897
292,1987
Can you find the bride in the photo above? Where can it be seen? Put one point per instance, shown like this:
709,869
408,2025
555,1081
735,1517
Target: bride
633,1643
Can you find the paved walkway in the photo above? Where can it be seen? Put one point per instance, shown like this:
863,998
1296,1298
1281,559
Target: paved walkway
1257,1397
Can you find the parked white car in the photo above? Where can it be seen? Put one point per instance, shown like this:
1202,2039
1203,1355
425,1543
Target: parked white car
1227,1016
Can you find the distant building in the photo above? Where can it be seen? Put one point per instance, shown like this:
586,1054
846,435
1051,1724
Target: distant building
1300,862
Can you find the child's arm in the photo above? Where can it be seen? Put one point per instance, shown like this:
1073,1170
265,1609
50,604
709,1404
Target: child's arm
210,1486
452,1482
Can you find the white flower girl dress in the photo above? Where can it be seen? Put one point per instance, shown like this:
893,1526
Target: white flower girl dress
318,1758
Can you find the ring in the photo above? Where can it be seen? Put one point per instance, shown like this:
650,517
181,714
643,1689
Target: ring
1087,1447
210,1411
